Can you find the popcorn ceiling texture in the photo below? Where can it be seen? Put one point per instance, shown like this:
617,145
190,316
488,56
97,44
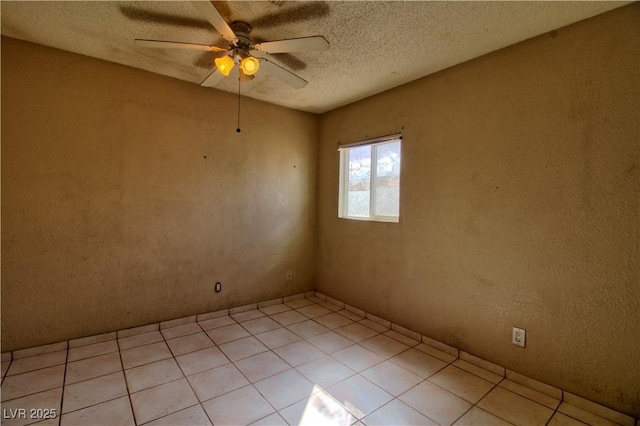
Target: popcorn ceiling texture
375,45
520,206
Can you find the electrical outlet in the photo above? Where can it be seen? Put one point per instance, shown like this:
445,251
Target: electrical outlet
218,287
289,275
518,336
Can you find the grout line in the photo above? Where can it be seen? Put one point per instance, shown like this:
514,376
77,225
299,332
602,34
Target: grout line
126,383
294,368
184,376
64,381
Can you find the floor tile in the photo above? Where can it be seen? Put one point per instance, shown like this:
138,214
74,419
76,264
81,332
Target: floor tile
135,331
299,303
181,330
373,325
89,368
275,309
145,354
527,392
582,415
216,322
32,382
90,340
478,417
333,320
153,374
285,388
325,371
277,365
271,420
351,315
242,348
313,311
48,400
40,350
357,358
192,416
331,306
177,322
276,338
318,409
391,377
139,340
247,315
308,329
436,403
289,317
560,419
478,371
261,366
162,400
82,352
330,342
461,383
436,353
24,365
239,407
298,353
114,412
190,343
397,412
202,360
356,332
599,410
93,391
401,338
418,362
515,408
227,333
359,396
217,381
384,346
260,325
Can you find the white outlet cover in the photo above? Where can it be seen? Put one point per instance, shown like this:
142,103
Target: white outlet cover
518,337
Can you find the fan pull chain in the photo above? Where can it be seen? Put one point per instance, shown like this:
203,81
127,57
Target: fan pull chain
238,129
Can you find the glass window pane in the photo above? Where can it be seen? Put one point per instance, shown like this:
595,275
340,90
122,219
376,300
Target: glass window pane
387,180
359,181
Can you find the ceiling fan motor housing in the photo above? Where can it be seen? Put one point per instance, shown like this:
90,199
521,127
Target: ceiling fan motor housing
242,30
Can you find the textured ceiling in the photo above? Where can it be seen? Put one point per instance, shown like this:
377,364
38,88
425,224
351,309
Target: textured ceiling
375,45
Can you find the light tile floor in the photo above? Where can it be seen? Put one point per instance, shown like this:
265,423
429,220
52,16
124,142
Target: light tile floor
303,362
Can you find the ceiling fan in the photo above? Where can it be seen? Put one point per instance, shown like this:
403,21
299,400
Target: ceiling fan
241,49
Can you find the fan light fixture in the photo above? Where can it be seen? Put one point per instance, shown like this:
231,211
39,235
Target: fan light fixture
250,65
225,64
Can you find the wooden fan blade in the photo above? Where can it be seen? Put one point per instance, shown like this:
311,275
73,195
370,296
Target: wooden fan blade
209,11
178,45
283,74
304,44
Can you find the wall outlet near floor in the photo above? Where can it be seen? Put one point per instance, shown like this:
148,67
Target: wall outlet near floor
289,275
218,287
518,336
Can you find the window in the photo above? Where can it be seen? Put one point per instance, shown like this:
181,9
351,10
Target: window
370,179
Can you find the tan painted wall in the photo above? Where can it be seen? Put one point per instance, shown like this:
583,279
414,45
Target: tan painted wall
113,217
520,206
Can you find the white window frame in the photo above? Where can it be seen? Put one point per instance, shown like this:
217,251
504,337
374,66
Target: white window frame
343,149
